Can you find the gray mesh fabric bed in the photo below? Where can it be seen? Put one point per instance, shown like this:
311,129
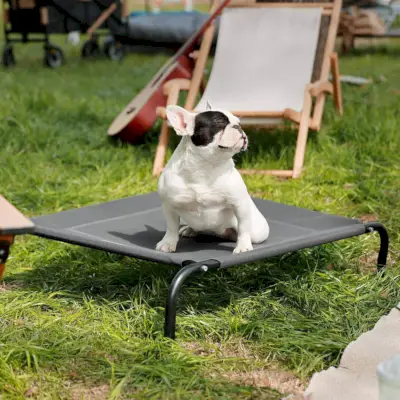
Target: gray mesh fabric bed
168,30
132,226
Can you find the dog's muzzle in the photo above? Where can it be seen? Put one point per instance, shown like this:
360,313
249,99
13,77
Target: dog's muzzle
244,137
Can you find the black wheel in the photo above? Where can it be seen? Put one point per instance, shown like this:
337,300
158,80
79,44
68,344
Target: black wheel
113,49
106,44
8,57
90,48
53,56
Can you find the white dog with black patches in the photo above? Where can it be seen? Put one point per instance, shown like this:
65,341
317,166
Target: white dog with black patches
201,185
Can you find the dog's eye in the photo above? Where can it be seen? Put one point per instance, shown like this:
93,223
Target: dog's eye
222,147
238,127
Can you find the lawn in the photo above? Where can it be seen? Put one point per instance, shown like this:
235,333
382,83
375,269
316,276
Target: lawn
83,324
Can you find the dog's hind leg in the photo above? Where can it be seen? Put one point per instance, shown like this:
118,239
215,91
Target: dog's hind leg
187,231
230,234
261,233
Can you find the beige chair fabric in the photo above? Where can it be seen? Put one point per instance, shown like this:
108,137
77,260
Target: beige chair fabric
264,59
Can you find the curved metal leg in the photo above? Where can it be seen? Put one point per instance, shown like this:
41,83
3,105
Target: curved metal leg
174,290
384,248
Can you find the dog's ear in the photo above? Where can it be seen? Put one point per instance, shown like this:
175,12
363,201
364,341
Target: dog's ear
181,120
208,106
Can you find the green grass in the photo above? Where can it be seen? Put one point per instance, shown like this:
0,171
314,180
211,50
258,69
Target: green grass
72,319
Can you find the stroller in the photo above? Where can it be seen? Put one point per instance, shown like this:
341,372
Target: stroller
24,18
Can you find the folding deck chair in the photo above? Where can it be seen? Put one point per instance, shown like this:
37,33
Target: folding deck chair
265,70
134,225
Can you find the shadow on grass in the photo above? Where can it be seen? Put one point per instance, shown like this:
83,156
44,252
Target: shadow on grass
79,272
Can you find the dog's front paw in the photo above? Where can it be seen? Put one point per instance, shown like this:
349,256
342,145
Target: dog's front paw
187,231
243,246
166,246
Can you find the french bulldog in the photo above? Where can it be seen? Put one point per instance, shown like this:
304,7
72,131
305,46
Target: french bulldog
201,185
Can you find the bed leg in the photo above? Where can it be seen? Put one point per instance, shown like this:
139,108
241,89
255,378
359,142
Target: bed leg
175,287
384,247
5,242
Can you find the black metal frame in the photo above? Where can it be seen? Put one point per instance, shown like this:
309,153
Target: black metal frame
189,268
26,31
384,246
25,22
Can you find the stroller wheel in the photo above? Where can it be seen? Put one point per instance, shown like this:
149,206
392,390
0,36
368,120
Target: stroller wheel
114,50
8,57
53,56
90,48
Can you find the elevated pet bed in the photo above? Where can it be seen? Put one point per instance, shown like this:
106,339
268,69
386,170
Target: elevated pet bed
168,30
132,226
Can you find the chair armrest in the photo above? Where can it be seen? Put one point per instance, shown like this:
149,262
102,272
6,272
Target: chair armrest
172,89
319,87
12,221
176,84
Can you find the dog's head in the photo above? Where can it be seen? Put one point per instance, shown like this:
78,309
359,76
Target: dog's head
213,133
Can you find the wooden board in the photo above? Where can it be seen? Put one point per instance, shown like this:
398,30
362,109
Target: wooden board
12,221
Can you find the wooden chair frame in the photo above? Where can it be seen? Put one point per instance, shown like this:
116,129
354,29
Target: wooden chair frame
308,118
